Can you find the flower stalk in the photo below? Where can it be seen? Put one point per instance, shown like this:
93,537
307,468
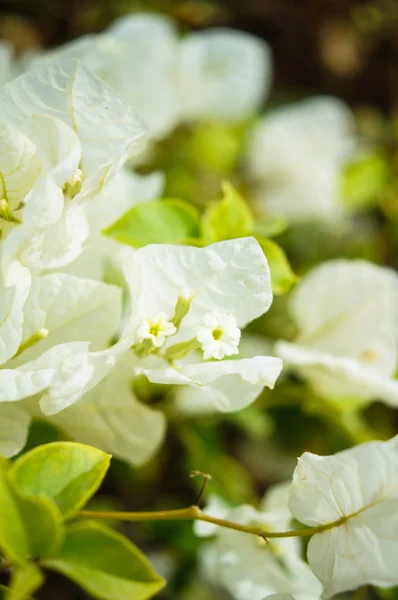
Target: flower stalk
194,513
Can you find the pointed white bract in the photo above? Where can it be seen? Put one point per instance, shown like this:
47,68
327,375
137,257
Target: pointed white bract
295,157
223,74
357,490
346,314
64,134
249,568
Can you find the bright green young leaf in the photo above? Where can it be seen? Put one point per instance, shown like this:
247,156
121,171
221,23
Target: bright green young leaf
363,180
228,218
14,542
282,275
25,581
43,523
66,472
270,227
168,221
105,564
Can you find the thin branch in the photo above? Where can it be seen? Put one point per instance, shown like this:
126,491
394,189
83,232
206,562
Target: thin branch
193,513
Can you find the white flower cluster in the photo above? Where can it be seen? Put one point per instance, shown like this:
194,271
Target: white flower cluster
346,313
295,157
64,138
351,502
219,73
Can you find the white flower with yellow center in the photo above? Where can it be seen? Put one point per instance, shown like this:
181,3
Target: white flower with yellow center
218,335
155,329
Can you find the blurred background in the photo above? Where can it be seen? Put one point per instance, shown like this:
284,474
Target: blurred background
346,48
343,47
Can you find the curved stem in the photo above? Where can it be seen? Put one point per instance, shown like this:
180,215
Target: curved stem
193,513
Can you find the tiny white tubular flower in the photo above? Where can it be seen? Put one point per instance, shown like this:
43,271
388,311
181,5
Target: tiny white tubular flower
295,157
223,74
346,315
218,335
53,159
249,568
358,490
156,329
229,277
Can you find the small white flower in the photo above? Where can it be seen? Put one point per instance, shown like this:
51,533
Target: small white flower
155,329
219,335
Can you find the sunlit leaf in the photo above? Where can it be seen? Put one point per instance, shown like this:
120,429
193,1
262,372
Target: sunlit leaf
105,564
282,275
228,218
363,180
13,537
66,472
169,221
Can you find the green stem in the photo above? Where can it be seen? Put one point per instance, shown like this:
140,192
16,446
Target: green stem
194,513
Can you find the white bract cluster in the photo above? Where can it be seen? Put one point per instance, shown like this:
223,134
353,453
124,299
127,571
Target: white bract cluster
295,157
220,73
64,352
351,502
248,567
346,313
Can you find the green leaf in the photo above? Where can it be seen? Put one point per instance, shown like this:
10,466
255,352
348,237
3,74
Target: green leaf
105,564
363,180
282,275
13,537
270,227
168,221
227,219
25,581
66,472
43,523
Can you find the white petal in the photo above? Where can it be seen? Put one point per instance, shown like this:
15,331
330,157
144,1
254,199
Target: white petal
223,74
59,152
14,429
110,417
71,309
337,377
320,129
108,128
19,165
231,384
362,485
252,571
28,248
349,308
12,300
139,63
